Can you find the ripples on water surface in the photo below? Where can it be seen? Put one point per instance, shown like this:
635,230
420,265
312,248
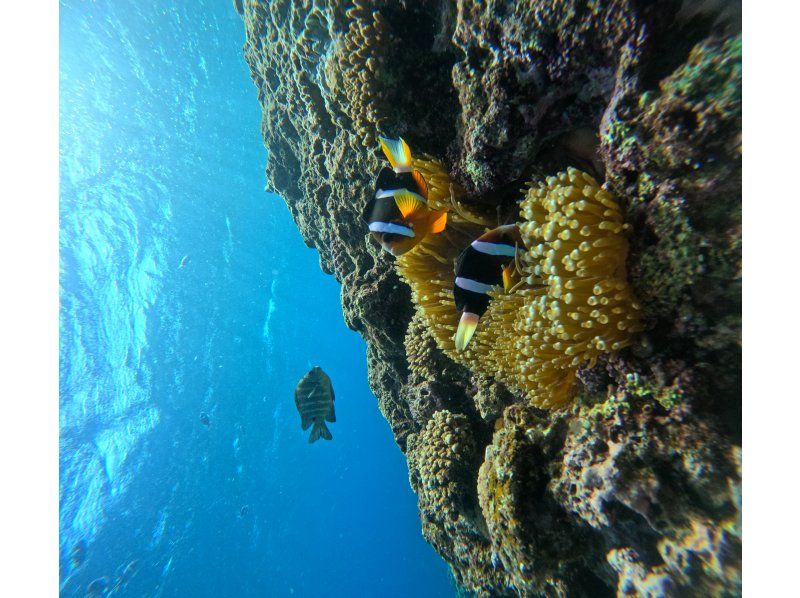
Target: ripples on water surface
186,289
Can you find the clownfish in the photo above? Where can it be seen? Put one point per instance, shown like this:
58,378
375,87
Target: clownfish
398,214
486,263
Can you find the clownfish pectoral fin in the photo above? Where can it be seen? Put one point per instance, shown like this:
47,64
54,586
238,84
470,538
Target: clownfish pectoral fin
510,277
409,204
438,221
466,328
507,283
420,181
397,152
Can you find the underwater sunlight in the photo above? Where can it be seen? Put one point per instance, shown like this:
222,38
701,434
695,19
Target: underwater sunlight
190,308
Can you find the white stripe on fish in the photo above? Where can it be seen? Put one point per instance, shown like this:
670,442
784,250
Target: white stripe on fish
494,248
473,285
390,227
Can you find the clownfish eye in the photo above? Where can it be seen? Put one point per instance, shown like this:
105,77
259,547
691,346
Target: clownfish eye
390,237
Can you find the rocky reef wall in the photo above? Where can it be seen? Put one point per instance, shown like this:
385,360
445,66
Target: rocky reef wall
634,488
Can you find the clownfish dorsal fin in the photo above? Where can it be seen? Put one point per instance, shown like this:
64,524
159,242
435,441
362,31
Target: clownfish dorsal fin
397,152
408,203
420,181
438,221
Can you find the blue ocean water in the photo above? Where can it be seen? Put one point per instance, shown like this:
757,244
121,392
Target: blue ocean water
186,289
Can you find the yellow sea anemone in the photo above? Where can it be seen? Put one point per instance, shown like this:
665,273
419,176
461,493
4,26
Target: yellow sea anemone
575,302
572,304
445,194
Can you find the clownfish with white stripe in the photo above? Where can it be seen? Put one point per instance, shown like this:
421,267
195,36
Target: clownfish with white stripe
489,261
398,214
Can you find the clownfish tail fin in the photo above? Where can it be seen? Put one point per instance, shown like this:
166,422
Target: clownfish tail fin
397,152
466,328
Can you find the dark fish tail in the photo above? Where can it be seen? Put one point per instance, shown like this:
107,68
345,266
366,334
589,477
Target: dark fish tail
320,430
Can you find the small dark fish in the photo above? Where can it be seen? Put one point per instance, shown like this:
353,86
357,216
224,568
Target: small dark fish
125,574
486,263
77,555
314,399
97,588
244,511
184,261
205,419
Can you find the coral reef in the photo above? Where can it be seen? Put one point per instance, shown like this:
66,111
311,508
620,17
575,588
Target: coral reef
632,487
534,542
441,465
354,72
663,509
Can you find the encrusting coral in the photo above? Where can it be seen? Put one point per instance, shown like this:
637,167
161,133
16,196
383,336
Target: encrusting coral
638,468
573,304
441,466
522,516
353,73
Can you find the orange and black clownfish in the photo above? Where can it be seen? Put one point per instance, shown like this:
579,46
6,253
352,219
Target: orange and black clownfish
487,262
398,214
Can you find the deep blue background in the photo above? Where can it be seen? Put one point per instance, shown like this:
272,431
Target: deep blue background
162,163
